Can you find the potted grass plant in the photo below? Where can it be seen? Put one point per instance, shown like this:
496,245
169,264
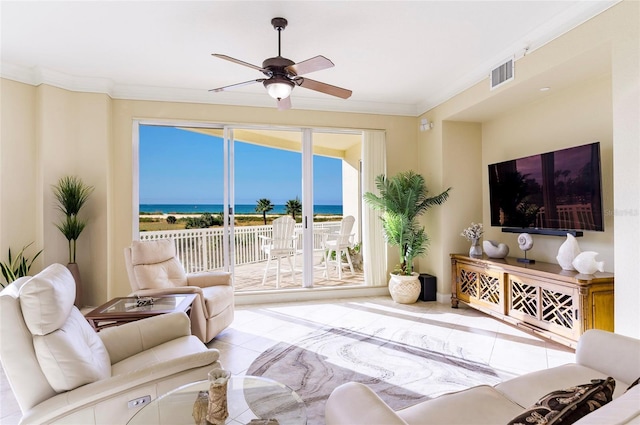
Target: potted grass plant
71,195
17,266
402,200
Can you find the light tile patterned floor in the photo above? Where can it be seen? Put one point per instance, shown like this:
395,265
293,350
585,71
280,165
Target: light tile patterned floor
258,327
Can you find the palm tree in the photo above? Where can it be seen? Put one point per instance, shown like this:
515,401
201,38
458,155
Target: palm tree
293,206
403,198
264,206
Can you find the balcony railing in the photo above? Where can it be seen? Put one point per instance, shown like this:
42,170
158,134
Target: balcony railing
202,249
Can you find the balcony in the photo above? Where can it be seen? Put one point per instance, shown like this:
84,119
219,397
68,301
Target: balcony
202,250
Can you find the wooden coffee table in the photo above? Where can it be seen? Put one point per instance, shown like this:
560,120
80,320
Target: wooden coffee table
129,309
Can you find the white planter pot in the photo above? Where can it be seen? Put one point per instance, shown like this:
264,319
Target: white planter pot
404,289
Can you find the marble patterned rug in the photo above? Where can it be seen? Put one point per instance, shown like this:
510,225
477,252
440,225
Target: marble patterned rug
402,369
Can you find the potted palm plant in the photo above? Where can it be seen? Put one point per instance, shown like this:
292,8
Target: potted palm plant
402,200
71,194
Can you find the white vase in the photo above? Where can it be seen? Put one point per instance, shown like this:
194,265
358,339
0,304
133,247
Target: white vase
586,263
495,250
475,250
567,252
404,289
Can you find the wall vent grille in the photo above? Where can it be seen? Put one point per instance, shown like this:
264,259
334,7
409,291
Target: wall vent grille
502,74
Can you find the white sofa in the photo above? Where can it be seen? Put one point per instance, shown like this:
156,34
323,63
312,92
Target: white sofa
599,355
61,371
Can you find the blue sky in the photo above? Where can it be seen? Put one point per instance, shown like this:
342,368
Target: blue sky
184,167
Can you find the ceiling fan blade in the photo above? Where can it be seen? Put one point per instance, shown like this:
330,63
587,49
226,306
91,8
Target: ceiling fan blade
239,62
233,86
310,84
284,104
310,65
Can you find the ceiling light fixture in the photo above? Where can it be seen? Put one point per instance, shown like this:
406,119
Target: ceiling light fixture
278,87
545,88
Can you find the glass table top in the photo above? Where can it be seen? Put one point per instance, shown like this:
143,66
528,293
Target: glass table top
248,398
144,304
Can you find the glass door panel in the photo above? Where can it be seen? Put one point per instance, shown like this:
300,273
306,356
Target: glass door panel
267,176
336,192
181,191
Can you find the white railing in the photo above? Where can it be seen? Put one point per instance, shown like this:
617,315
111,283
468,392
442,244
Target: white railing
202,249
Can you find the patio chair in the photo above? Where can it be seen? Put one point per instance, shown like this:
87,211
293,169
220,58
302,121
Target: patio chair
61,371
154,269
339,243
280,245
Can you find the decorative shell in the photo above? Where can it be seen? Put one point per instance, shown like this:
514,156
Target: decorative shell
525,241
495,250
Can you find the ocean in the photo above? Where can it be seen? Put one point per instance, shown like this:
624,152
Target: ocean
217,208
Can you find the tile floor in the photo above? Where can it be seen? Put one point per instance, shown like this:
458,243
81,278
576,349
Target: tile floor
258,327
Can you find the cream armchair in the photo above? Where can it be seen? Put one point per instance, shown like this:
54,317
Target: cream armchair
62,371
154,269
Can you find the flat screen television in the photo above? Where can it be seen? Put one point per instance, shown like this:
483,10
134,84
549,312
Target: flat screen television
558,190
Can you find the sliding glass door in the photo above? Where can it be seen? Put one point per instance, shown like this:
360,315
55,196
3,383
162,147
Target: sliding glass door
224,187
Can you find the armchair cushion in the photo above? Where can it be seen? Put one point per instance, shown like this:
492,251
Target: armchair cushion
152,252
155,264
167,274
47,298
217,299
135,337
72,355
67,348
204,279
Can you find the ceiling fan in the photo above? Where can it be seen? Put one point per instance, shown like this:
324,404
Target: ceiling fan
282,74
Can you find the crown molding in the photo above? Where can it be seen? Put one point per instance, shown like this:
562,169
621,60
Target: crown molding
36,76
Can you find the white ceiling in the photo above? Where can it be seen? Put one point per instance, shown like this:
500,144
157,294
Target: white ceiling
398,57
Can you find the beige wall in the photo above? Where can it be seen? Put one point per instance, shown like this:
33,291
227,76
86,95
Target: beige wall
454,162
48,133
624,22
531,129
593,71
19,207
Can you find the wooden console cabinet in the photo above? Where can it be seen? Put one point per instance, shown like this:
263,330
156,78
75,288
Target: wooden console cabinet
541,297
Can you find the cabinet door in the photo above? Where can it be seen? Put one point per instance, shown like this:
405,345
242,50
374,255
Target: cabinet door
560,310
466,282
545,305
480,286
601,313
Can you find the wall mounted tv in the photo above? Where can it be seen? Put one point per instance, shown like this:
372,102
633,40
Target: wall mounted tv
553,191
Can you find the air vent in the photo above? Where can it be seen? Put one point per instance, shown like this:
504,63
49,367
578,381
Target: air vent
502,74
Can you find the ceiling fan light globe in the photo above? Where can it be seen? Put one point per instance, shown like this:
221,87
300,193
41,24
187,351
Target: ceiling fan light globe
280,89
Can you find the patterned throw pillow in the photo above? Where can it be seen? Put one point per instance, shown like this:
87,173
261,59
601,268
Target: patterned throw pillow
567,406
